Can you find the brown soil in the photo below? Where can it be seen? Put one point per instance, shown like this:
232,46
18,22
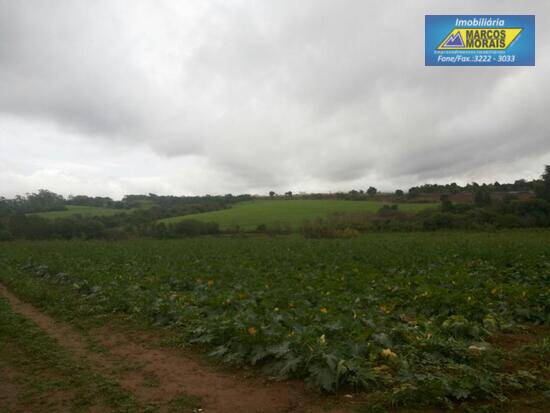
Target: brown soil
515,341
15,399
159,375
9,390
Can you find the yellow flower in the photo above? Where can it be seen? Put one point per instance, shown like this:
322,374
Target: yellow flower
494,291
252,331
385,309
324,310
476,349
210,283
387,353
322,340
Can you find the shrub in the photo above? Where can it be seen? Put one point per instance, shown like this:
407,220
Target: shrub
191,227
5,235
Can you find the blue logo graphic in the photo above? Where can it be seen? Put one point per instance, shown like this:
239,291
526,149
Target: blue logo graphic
480,40
454,40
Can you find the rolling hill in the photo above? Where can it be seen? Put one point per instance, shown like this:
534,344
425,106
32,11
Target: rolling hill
85,211
248,215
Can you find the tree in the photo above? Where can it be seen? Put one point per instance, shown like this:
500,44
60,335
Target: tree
454,188
372,190
272,194
46,200
482,198
4,233
288,194
543,189
446,204
399,192
522,185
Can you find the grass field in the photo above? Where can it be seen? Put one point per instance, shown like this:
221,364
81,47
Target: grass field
86,211
248,215
413,319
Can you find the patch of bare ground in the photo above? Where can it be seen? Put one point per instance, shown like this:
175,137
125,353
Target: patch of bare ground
218,391
514,341
13,397
9,390
160,376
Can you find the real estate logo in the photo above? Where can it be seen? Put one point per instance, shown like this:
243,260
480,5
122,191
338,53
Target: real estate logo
480,40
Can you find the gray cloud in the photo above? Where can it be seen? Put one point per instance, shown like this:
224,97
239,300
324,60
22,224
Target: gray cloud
239,96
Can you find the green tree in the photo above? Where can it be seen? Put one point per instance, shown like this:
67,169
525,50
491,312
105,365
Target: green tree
446,204
543,189
372,190
482,198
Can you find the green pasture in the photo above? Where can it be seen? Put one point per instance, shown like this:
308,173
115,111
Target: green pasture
248,215
84,211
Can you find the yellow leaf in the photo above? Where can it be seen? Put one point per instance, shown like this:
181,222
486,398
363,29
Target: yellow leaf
387,353
385,309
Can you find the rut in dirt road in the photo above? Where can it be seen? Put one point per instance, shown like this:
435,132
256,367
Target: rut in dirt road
132,363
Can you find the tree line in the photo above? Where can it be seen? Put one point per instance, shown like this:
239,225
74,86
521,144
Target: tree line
17,220
485,212
520,185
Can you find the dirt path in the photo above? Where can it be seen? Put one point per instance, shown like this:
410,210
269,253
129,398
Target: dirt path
160,376
9,391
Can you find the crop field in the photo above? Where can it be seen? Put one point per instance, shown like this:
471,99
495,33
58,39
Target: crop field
248,215
418,319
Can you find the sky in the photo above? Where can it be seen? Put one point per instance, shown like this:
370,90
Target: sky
193,97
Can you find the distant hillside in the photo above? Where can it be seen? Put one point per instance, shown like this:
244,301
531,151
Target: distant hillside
248,215
86,211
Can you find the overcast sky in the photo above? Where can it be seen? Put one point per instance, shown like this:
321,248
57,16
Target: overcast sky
194,97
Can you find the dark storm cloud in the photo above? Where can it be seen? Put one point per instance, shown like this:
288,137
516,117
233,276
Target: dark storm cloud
305,95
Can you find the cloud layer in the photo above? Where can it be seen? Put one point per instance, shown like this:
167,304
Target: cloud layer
115,97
